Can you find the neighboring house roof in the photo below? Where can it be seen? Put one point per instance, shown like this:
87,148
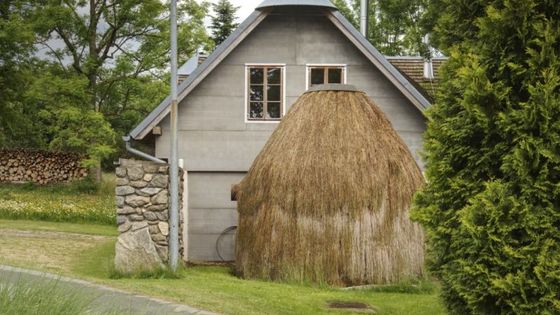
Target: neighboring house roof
222,51
188,67
412,67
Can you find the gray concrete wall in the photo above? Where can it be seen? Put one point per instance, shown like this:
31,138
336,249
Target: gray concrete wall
211,212
215,138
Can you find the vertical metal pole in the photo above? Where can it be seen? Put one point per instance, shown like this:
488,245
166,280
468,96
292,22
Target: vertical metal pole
174,169
364,17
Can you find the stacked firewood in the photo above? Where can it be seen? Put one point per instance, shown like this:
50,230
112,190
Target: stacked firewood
41,167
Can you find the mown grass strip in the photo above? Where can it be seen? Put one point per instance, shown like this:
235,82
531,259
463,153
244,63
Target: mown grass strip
80,228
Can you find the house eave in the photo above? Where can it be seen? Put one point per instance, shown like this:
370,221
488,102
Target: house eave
221,52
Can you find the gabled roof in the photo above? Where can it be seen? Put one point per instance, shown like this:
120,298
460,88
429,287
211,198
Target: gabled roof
223,50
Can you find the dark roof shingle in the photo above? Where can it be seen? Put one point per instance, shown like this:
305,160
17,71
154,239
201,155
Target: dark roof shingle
413,69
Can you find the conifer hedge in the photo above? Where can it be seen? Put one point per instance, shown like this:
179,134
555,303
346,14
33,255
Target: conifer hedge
492,204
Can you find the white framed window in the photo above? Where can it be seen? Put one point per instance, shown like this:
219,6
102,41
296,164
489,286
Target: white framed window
325,73
265,92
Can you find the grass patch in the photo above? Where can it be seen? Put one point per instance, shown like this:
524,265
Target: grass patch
216,289
81,228
412,287
31,297
52,251
159,273
95,263
80,201
213,288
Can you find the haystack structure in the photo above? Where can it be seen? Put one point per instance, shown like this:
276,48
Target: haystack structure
327,200
231,101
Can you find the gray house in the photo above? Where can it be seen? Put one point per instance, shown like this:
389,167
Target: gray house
232,101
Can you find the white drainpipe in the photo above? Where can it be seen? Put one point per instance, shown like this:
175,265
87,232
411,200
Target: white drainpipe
428,65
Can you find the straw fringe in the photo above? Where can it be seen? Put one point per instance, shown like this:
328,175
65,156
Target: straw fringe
327,200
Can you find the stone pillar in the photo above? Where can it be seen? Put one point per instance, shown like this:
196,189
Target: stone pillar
142,200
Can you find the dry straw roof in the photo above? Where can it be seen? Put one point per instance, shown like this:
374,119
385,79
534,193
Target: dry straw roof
328,197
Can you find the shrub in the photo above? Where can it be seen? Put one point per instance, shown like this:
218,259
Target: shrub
492,204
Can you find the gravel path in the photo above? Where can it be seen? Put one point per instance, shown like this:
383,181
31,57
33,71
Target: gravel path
106,299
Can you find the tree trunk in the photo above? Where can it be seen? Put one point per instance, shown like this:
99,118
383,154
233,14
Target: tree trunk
94,64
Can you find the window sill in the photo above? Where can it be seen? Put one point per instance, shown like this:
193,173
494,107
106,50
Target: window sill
248,121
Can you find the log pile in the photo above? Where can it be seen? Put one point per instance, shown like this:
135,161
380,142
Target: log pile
41,167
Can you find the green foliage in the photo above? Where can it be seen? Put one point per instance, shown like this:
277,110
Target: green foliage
16,47
394,26
82,131
80,201
107,71
223,23
491,207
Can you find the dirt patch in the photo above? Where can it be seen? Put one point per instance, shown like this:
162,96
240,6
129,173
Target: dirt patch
352,306
49,234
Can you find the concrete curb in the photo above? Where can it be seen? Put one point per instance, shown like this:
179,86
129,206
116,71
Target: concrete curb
145,303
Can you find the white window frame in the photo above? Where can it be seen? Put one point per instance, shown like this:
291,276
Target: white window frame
283,100
325,65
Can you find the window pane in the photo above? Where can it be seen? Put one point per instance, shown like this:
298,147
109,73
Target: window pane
273,110
256,93
335,75
256,110
257,75
274,75
273,93
317,76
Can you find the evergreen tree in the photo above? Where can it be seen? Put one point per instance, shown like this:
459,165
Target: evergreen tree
492,203
223,22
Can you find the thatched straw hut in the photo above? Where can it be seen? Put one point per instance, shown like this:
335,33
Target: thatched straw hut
327,200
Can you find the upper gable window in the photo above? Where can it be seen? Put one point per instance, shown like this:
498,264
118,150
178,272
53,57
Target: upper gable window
323,74
265,99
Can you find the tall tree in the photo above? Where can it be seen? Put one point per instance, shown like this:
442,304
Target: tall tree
492,203
223,21
394,26
16,52
109,42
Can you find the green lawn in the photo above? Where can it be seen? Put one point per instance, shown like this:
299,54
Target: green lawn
86,251
81,201
81,228
40,239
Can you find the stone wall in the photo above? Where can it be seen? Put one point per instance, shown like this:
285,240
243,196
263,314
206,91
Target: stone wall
142,199
41,167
